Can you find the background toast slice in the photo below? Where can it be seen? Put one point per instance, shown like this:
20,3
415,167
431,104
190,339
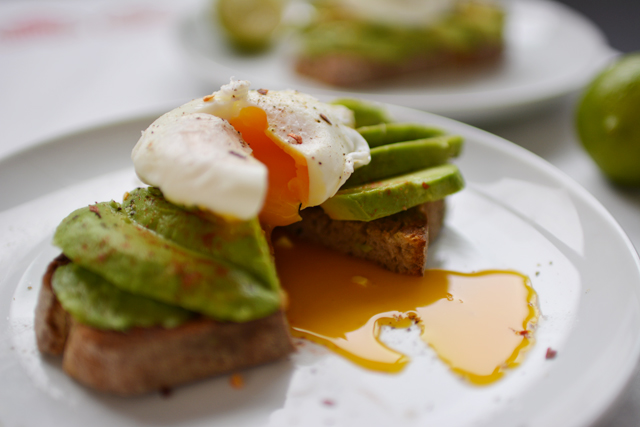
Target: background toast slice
344,70
143,360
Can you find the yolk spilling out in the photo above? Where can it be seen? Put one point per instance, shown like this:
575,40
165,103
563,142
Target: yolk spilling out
288,172
479,324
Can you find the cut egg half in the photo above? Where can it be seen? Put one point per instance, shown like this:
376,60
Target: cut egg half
288,183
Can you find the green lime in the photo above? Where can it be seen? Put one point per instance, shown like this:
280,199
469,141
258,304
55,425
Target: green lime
250,24
608,120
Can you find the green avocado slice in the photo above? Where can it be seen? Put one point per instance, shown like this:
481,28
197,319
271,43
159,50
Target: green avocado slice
390,133
365,113
387,197
92,300
241,243
103,240
471,26
404,157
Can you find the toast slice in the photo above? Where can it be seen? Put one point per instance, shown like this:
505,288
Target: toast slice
119,362
398,242
143,360
352,45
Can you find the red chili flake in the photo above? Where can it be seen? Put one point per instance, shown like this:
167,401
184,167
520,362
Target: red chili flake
323,117
425,185
236,381
189,279
297,138
207,239
94,209
524,333
551,353
328,402
207,98
263,91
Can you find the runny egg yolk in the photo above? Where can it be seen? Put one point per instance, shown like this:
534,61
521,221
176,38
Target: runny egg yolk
479,324
288,172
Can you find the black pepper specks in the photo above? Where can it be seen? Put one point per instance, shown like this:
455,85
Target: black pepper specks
323,117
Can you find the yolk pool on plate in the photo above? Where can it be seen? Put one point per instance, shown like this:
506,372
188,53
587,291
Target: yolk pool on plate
478,323
288,173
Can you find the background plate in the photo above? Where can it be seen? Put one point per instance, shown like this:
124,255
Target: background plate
517,212
551,51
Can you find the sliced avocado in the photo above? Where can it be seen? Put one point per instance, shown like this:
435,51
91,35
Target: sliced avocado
334,31
241,243
390,133
95,302
365,113
404,157
383,198
102,239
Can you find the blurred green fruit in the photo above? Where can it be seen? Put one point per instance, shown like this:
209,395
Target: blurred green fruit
250,24
608,120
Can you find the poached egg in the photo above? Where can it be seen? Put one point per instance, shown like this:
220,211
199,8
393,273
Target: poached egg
241,153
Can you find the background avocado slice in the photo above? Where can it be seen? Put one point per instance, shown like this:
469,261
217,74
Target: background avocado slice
404,157
95,302
241,243
365,113
383,198
390,133
102,239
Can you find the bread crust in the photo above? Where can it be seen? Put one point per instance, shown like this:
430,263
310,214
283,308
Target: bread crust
398,242
143,360
346,70
52,321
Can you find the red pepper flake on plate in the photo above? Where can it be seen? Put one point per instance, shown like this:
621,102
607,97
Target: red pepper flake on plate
236,381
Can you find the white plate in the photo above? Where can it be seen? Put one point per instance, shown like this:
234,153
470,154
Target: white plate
517,212
551,51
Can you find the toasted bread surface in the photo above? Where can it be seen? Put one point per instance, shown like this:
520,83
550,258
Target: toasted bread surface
398,242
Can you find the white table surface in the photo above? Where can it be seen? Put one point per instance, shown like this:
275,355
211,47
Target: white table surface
66,65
